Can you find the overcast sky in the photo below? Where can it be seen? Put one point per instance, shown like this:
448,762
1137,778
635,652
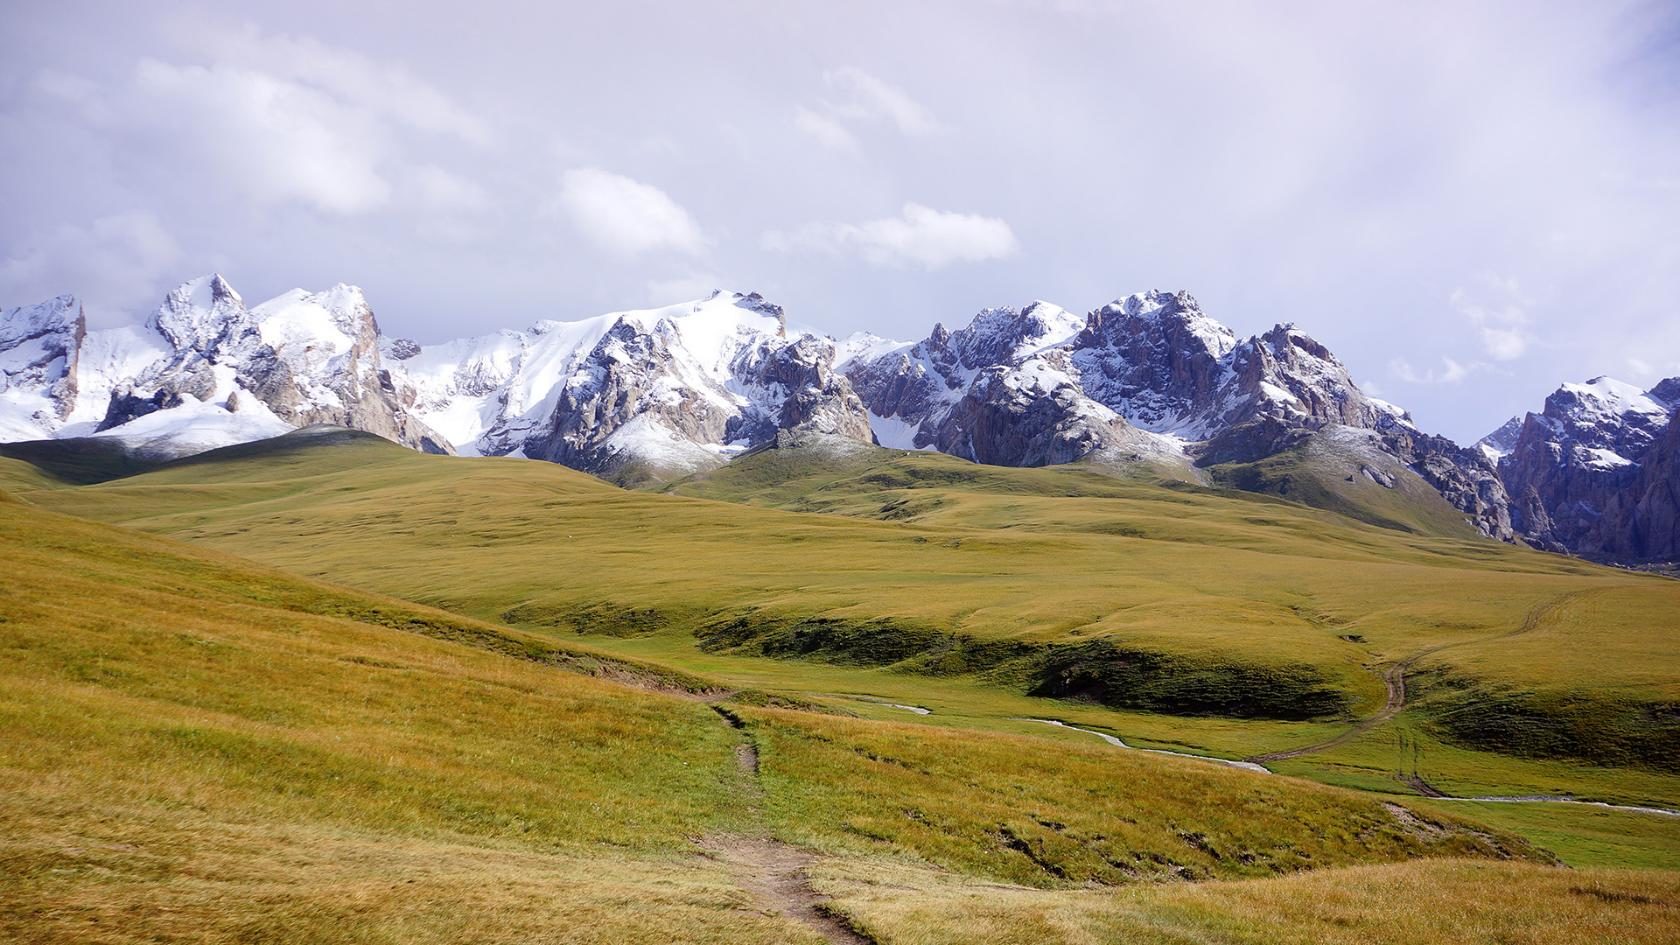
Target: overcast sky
1469,202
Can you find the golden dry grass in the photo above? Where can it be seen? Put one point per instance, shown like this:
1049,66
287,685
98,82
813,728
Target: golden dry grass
200,749
1435,903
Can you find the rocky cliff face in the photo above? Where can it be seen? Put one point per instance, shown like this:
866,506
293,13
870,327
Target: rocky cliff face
1157,359
1642,524
917,385
1464,476
1587,473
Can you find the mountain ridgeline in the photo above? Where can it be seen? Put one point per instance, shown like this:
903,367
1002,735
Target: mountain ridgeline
1148,383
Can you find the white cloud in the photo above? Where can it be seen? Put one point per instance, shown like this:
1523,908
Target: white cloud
828,131
626,216
384,88
862,98
1503,326
868,98
274,119
114,264
1645,371
694,285
920,236
1450,372
81,92
443,191
276,140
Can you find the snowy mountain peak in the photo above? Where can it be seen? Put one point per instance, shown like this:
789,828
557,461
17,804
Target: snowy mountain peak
310,328
205,292
1567,465
1170,317
1496,444
1150,302
39,349
1605,396
200,314
997,335
753,302
204,371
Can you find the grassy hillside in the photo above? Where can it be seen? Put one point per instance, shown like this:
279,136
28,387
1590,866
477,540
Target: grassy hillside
1060,582
1330,473
199,749
76,461
1417,905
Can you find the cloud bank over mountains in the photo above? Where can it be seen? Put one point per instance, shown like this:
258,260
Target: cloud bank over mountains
1468,203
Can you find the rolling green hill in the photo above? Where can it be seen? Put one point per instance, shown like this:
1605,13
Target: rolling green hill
203,749
997,587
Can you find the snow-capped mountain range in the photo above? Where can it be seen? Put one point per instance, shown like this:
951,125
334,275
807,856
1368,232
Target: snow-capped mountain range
1597,470
659,393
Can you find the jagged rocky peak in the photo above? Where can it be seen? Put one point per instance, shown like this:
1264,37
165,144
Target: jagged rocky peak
814,397
204,370
201,314
1156,317
753,302
1034,414
1000,335
1156,359
1666,392
1502,440
1286,372
40,347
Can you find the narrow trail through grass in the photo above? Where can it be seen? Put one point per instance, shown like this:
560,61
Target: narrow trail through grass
773,872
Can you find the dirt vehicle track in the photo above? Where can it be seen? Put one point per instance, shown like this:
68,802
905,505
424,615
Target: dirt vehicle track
771,871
